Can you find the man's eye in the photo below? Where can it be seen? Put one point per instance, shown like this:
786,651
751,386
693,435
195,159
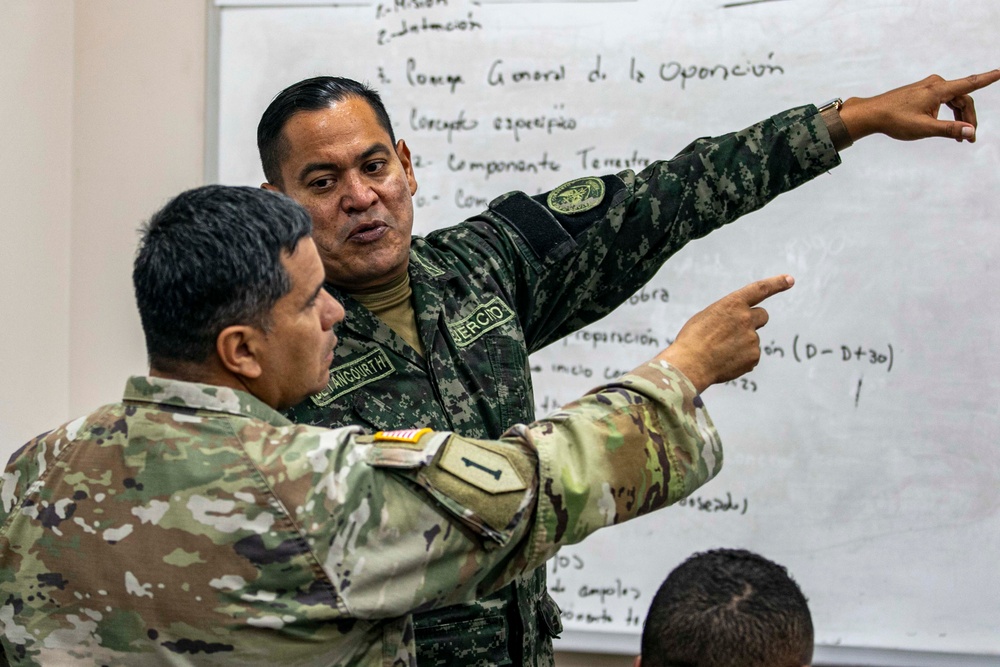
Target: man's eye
374,167
322,183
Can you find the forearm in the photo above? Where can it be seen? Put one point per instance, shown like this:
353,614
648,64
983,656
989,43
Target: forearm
625,450
461,517
711,183
729,176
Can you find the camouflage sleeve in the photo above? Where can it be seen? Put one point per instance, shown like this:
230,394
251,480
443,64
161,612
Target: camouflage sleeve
486,511
579,266
651,443
25,464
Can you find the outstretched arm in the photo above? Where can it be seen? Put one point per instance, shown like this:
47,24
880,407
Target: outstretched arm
911,112
487,511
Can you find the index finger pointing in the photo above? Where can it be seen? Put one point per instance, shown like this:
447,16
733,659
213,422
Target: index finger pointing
756,292
970,83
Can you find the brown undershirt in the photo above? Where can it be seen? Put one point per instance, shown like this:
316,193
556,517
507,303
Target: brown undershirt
393,304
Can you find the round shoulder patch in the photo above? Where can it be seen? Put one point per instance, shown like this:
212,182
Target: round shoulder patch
577,196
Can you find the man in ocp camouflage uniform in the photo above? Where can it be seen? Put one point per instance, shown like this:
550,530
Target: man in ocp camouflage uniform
439,329
191,524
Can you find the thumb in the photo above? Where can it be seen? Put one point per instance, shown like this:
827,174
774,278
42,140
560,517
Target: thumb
950,129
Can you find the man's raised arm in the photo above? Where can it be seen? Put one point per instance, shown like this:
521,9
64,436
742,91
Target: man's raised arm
627,448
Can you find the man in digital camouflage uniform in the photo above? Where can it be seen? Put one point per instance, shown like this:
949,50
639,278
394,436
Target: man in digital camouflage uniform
439,329
193,524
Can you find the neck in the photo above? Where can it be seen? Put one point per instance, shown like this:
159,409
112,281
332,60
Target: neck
390,292
185,371
390,283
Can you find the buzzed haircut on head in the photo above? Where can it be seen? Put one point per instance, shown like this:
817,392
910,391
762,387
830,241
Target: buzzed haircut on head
728,608
209,259
313,94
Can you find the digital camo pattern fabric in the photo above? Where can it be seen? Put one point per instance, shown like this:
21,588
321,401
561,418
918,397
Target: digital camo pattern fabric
529,271
192,525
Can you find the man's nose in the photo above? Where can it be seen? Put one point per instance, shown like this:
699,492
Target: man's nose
333,311
358,194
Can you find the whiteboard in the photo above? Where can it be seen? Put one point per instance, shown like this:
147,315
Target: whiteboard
862,452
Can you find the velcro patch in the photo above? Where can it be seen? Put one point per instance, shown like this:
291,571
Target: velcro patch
484,318
410,435
485,469
535,224
353,375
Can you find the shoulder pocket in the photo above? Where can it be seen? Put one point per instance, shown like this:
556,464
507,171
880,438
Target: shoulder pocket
489,486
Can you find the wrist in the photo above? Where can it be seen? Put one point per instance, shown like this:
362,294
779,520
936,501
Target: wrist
857,117
688,365
830,113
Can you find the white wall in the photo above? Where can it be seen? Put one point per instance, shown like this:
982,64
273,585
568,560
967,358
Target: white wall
138,139
36,114
103,116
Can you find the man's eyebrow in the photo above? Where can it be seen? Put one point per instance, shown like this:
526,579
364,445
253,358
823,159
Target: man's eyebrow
313,297
372,150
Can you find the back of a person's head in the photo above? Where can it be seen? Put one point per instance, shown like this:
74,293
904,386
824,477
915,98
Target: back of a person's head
209,259
728,608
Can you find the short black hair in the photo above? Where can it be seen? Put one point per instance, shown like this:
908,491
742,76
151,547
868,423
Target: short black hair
209,259
313,94
728,608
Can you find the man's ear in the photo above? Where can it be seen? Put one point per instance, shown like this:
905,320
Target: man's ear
638,661
268,186
238,347
403,152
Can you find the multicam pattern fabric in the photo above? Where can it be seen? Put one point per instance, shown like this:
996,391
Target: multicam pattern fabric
191,524
557,273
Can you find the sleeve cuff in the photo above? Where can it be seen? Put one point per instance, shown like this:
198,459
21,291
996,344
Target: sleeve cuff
838,131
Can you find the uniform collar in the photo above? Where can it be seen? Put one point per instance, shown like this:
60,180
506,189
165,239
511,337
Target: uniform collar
421,269
196,396
426,278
